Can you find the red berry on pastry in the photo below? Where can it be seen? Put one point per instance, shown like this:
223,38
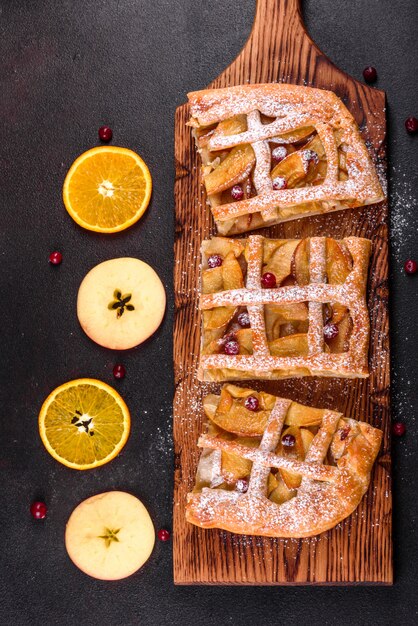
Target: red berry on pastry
105,133
411,125
398,429
163,535
243,320
370,74
215,261
288,441
410,266
231,347
119,371
344,433
268,280
38,510
279,183
251,403
237,192
279,153
311,156
330,331
55,258
241,485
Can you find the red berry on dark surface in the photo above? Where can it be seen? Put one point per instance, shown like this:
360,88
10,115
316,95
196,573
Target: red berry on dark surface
279,153
55,258
288,441
398,429
279,183
119,371
241,485
251,403
243,320
411,125
105,133
231,347
268,280
163,535
38,510
410,266
330,331
237,192
370,74
215,261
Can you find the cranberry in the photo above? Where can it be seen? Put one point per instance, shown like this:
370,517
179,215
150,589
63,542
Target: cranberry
237,192
243,320
251,403
231,347
241,485
370,74
288,441
330,331
38,510
279,183
119,371
55,258
268,280
163,534
398,429
410,266
279,153
311,156
215,261
344,433
411,125
105,133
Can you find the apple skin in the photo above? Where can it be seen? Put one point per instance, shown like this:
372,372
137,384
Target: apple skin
89,522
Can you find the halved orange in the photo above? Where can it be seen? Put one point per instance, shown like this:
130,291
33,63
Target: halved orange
84,423
107,189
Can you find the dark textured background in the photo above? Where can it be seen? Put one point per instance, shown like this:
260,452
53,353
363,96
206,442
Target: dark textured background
66,68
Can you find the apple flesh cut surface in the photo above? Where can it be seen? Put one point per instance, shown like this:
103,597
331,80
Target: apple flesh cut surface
110,536
121,302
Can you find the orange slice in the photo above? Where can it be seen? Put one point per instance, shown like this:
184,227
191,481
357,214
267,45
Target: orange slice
84,423
107,189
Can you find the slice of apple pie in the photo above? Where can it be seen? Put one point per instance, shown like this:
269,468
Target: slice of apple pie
273,467
280,308
275,152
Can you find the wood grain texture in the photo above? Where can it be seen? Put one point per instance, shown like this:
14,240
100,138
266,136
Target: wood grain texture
359,550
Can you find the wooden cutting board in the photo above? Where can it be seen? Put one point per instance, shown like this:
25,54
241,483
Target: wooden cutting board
358,550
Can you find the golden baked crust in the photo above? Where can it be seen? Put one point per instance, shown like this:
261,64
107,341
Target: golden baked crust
321,287
248,482
327,167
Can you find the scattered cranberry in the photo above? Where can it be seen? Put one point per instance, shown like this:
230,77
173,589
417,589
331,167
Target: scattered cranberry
268,280
398,429
241,485
311,156
288,441
251,403
38,510
163,534
344,433
215,261
55,258
231,347
119,371
105,133
237,192
411,125
279,153
370,74
243,320
279,183
330,331
410,266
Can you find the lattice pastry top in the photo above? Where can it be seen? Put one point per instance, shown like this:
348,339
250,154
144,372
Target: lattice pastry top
273,153
274,467
279,308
